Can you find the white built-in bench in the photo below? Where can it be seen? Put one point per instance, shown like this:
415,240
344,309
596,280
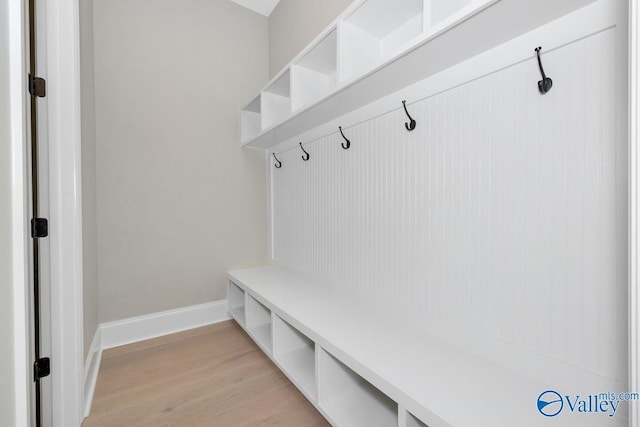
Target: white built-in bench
361,368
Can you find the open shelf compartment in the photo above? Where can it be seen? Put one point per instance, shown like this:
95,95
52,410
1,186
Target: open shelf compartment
236,303
259,323
314,75
377,31
297,356
350,400
276,101
440,10
251,120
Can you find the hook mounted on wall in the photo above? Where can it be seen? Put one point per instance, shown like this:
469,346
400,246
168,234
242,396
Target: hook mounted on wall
306,156
279,164
348,143
412,124
545,84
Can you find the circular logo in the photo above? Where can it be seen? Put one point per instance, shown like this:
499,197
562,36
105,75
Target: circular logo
550,403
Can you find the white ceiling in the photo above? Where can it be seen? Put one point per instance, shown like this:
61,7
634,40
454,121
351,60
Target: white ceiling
263,7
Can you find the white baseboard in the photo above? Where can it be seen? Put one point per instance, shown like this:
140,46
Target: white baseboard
127,331
91,368
155,325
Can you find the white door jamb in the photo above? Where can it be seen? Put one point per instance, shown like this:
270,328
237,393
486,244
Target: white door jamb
63,97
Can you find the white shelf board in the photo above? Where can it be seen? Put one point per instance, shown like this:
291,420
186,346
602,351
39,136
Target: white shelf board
262,334
281,86
445,44
251,124
352,401
300,365
382,17
353,411
253,106
442,9
235,295
415,369
309,85
257,313
414,422
323,57
275,107
238,314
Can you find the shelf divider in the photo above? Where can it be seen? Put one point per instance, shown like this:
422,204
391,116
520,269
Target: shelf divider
296,354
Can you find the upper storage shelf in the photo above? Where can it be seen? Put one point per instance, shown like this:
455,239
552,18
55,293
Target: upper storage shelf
376,31
375,48
366,37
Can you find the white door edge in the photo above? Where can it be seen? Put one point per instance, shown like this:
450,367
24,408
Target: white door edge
63,96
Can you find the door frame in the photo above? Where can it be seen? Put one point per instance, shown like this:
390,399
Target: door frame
19,208
63,92
65,195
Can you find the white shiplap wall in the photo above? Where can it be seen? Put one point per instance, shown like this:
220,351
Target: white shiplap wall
504,213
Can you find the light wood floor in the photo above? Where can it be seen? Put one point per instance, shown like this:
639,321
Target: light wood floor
212,376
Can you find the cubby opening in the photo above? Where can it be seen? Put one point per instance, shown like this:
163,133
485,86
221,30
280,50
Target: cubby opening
414,422
314,76
259,323
251,120
442,9
350,400
377,31
296,354
276,101
236,303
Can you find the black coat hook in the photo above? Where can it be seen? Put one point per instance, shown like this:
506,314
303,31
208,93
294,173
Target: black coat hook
412,124
306,155
346,147
545,84
279,164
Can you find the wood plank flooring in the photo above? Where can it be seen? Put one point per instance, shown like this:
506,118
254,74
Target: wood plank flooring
213,376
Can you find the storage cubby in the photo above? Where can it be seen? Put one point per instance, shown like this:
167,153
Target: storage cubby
236,303
414,422
259,322
350,400
442,9
375,32
314,76
296,354
251,120
276,101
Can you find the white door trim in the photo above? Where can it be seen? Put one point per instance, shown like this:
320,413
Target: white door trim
19,194
63,97
634,214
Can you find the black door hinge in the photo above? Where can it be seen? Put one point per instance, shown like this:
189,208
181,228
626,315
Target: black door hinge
39,228
37,86
42,368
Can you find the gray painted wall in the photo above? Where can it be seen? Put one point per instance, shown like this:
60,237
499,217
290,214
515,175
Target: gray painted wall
6,296
294,23
179,203
89,218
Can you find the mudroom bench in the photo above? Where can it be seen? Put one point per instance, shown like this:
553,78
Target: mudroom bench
361,368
